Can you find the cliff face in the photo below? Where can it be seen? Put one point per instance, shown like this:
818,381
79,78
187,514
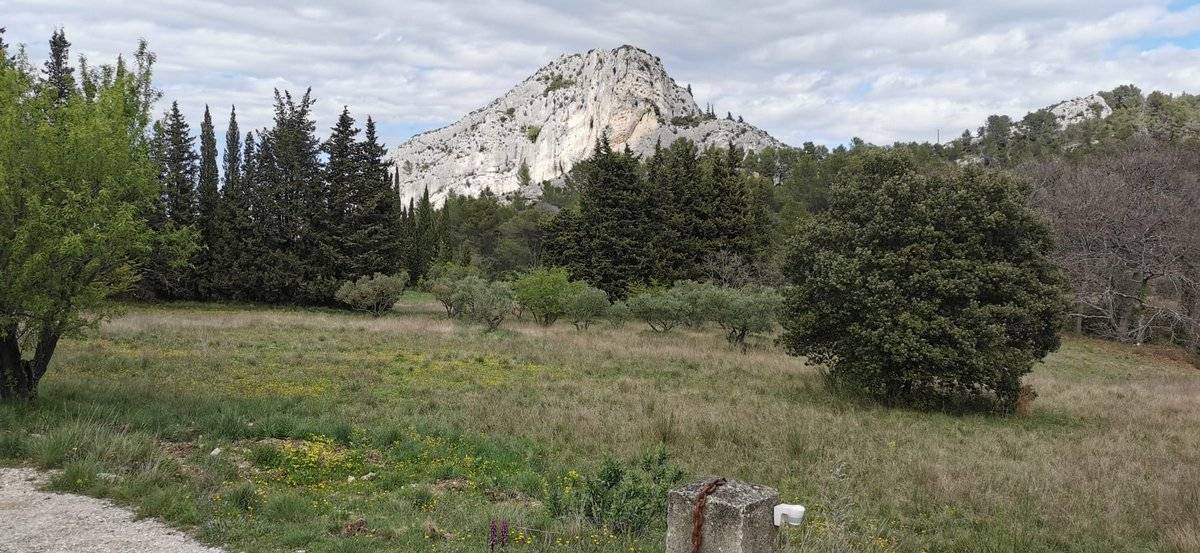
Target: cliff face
553,119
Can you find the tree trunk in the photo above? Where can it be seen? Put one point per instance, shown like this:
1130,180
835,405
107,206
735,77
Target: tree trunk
16,374
19,377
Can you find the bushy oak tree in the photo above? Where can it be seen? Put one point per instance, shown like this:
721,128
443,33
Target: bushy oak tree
929,289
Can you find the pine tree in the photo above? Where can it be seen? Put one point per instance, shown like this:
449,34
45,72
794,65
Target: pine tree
57,72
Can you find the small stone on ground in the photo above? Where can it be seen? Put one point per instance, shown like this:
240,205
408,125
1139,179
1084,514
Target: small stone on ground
34,521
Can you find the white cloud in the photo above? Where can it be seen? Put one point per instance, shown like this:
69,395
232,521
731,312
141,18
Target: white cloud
820,70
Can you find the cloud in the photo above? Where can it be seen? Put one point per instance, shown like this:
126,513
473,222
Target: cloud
810,70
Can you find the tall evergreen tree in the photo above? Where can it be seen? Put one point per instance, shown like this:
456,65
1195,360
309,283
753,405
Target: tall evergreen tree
172,150
207,206
425,242
179,168
378,232
289,172
57,72
616,233
343,170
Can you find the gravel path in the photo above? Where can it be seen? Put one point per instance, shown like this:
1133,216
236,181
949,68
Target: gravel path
33,521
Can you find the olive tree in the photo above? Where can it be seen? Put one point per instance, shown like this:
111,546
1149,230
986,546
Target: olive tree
375,294
487,303
542,292
76,187
933,289
742,312
661,309
584,304
443,281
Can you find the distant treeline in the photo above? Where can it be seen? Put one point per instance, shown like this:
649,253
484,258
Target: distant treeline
290,216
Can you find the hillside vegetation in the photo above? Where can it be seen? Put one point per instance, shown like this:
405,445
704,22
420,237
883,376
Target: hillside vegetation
458,427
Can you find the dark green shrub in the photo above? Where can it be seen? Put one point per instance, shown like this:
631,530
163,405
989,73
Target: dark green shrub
374,294
927,289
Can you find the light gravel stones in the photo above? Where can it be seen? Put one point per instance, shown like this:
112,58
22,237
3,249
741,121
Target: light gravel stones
33,521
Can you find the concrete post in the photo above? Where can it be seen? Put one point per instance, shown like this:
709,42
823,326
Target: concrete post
738,518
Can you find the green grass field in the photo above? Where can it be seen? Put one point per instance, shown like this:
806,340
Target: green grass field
453,428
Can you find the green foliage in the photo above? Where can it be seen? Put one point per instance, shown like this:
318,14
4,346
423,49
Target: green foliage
543,292
584,304
532,132
742,312
618,314
487,303
928,289
662,309
556,82
622,497
374,294
77,186
443,280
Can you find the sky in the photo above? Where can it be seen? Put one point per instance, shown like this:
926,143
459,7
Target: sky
813,70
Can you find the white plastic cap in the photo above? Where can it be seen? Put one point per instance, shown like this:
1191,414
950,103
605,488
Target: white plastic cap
792,514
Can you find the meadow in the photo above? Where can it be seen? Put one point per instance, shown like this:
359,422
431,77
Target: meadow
275,429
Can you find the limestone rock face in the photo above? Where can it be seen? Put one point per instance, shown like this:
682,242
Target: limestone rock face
1077,110
553,119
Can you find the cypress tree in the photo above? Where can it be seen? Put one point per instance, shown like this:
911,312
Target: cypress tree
342,172
208,205
289,170
425,242
173,150
179,168
377,232
227,237
618,227
57,72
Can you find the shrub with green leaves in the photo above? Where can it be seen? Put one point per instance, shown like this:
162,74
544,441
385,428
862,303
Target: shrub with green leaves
695,297
487,303
618,314
622,497
442,281
932,290
659,308
374,294
742,312
542,292
584,304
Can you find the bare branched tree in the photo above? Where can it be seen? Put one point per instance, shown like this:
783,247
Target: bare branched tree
1128,237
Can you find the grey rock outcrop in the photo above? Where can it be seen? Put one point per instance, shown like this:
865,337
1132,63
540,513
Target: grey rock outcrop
552,120
1078,110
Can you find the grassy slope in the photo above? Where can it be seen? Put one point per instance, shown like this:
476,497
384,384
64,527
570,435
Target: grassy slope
460,427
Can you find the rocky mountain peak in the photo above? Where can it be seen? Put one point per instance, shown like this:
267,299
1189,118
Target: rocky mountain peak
552,120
